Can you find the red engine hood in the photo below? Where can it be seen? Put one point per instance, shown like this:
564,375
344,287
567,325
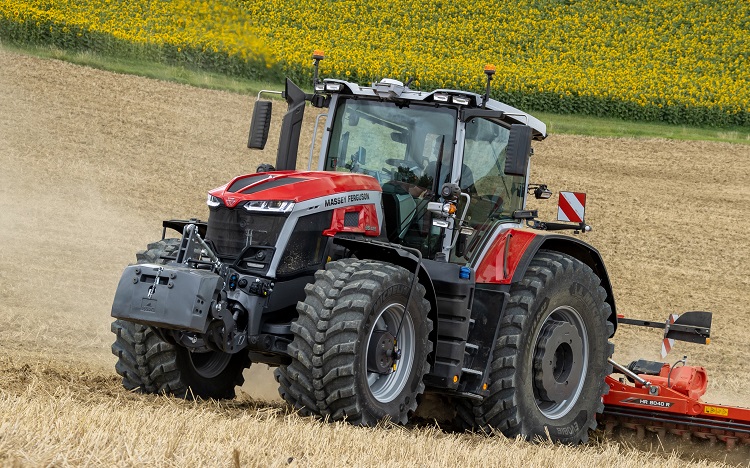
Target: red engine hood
294,186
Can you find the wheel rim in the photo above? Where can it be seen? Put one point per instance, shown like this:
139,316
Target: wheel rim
560,362
385,387
209,364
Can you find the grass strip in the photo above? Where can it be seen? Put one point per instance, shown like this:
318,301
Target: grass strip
556,123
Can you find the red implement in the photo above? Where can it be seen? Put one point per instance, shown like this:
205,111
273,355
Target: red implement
669,402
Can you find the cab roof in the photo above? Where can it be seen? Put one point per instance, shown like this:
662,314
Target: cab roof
390,89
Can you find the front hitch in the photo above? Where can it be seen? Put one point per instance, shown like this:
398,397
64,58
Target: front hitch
184,298
193,251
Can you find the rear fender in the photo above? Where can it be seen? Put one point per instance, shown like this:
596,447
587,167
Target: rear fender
576,249
524,245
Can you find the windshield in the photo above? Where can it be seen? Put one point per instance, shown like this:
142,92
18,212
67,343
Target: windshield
392,143
405,147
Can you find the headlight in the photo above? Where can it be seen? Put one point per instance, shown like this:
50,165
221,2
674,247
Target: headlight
269,206
213,201
333,87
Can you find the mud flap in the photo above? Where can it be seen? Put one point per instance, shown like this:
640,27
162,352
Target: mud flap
166,296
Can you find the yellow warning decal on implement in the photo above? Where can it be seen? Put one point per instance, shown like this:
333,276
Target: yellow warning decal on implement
716,410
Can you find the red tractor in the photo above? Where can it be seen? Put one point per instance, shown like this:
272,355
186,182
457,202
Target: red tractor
406,264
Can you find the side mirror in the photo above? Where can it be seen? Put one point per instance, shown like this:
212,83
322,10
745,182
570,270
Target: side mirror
518,150
541,192
260,125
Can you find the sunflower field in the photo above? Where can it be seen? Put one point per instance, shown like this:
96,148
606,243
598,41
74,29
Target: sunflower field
678,61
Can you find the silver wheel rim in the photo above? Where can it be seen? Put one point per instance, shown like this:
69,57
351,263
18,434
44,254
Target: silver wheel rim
209,364
386,387
559,407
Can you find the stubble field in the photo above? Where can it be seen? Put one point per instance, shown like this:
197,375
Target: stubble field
91,162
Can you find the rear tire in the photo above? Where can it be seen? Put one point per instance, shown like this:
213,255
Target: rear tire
342,366
549,365
149,364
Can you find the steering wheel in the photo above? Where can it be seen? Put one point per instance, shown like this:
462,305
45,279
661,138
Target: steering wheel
410,165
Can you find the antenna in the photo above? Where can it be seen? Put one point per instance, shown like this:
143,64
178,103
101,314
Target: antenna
489,70
317,57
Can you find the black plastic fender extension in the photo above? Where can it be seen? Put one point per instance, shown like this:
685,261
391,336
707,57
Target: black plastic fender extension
577,249
451,298
179,226
393,253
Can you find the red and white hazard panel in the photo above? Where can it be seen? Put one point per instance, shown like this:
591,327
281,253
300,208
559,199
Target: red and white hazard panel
571,207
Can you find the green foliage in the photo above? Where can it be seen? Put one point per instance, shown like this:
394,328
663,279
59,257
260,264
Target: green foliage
673,61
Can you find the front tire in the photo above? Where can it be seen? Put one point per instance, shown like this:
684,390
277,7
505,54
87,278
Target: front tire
351,322
149,364
550,359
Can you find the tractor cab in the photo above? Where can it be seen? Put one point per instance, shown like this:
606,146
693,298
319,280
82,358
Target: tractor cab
451,164
408,150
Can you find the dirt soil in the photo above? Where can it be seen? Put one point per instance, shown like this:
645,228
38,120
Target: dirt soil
91,162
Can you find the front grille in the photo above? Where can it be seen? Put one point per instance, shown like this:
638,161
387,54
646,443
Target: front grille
231,230
307,245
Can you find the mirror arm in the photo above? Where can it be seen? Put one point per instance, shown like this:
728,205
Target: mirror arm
547,226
